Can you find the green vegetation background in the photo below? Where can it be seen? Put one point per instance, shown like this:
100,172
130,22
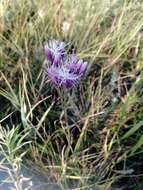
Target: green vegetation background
100,146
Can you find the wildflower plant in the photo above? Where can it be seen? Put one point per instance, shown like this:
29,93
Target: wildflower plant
64,71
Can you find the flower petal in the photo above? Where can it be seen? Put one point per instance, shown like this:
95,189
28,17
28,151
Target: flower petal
82,68
48,53
68,83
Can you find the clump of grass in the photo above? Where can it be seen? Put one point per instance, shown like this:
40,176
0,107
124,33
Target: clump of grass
103,135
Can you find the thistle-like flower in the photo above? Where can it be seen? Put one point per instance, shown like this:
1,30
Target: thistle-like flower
54,51
61,76
76,66
68,72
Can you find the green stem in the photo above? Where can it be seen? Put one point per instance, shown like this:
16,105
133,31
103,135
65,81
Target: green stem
63,98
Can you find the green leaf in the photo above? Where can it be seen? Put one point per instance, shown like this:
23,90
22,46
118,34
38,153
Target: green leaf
132,130
137,145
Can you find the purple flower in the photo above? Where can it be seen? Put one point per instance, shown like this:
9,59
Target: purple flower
55,51
63,72
67,74
61,76
76,66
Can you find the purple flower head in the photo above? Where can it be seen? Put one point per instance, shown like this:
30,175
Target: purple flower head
61,76
66,73
76,66
55,51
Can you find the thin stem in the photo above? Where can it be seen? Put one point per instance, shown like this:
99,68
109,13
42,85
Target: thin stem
62,94
65,106
63,97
